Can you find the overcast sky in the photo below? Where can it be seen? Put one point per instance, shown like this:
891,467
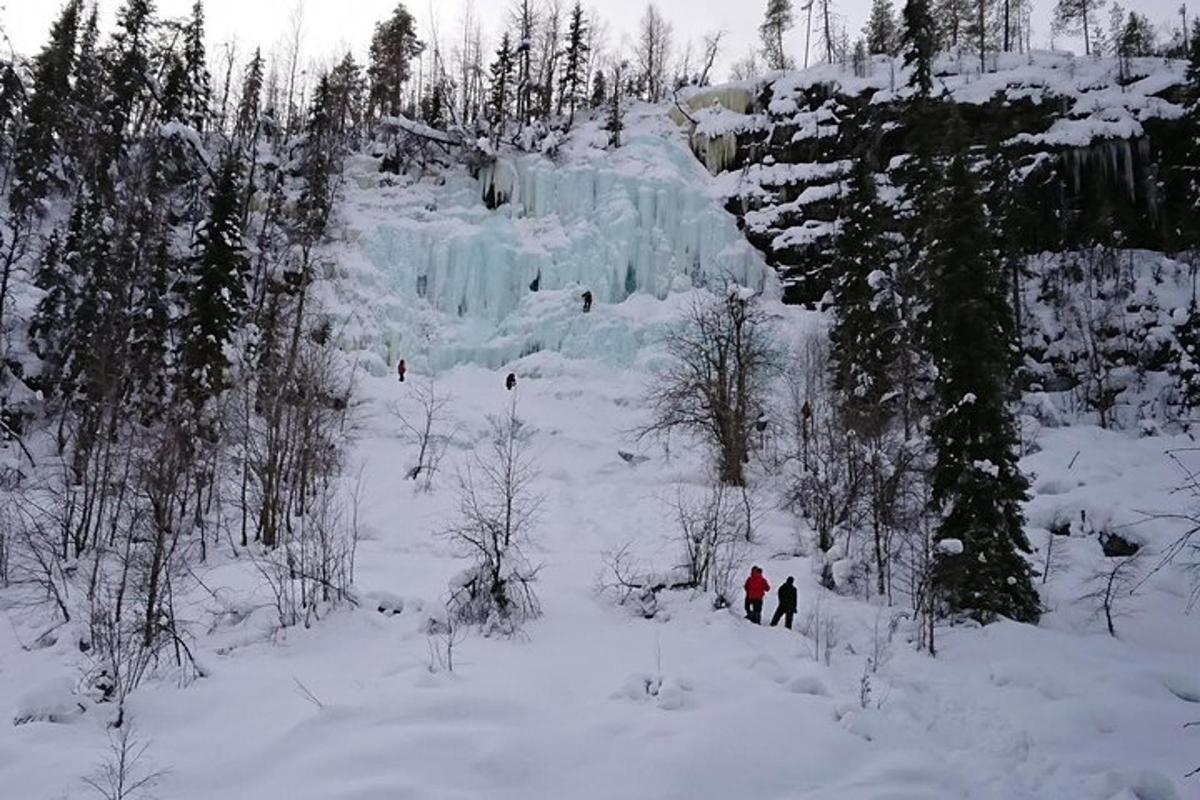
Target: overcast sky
332,26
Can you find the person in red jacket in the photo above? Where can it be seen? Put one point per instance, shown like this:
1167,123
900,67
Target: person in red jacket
401,369
756,589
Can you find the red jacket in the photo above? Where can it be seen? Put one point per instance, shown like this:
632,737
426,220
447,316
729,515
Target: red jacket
757,586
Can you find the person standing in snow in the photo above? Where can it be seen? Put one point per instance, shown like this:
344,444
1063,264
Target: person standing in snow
787,603
756,589
587,301
401,369
510,382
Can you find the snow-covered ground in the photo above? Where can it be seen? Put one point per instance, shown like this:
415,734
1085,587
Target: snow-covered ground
593,701
1009,711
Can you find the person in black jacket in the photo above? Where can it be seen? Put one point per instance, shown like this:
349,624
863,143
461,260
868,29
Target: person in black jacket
787,603
587,301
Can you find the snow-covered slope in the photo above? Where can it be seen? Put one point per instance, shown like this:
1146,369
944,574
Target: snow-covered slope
350,709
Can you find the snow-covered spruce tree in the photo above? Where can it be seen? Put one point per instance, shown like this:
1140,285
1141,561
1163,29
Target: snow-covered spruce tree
716,385
920,43
393,46
198,91
977,484
599,90
125,96
572,84
37,147
214,293
83,116
882,29
921,179
868,341
865,319
497,511
776,22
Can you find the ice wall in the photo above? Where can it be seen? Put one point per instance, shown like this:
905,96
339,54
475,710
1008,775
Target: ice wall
639,220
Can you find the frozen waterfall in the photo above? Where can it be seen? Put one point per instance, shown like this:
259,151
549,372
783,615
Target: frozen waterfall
476,284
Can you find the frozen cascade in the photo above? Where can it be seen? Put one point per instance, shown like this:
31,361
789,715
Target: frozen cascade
483,285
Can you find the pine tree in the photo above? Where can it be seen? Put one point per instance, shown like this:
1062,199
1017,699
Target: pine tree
126,79
65,330
953,23
573,81
83,120
778,19
502,83
37,146
979,29
920,45
250,105
318,157
616,122
172,99
1078,16
214,292
599,89
977,484
198,90
1137,39
52,318
393,46
882,31
866,322
347,88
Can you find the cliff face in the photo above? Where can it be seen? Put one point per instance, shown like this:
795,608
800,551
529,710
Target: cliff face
1094,141
1105,315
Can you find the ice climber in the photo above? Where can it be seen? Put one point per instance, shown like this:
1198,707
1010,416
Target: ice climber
587,301
756,589
787,603
401,369
510,382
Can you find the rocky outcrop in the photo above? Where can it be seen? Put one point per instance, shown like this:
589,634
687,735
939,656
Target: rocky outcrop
1095,147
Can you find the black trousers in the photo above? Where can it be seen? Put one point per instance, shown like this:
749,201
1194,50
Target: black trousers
785,614
754,611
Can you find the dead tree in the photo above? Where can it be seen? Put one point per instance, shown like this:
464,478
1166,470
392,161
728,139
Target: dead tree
497,512
712,535
424,424
1109,586
718,380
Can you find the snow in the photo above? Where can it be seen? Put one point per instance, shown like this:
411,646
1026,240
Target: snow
597,703
951,547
